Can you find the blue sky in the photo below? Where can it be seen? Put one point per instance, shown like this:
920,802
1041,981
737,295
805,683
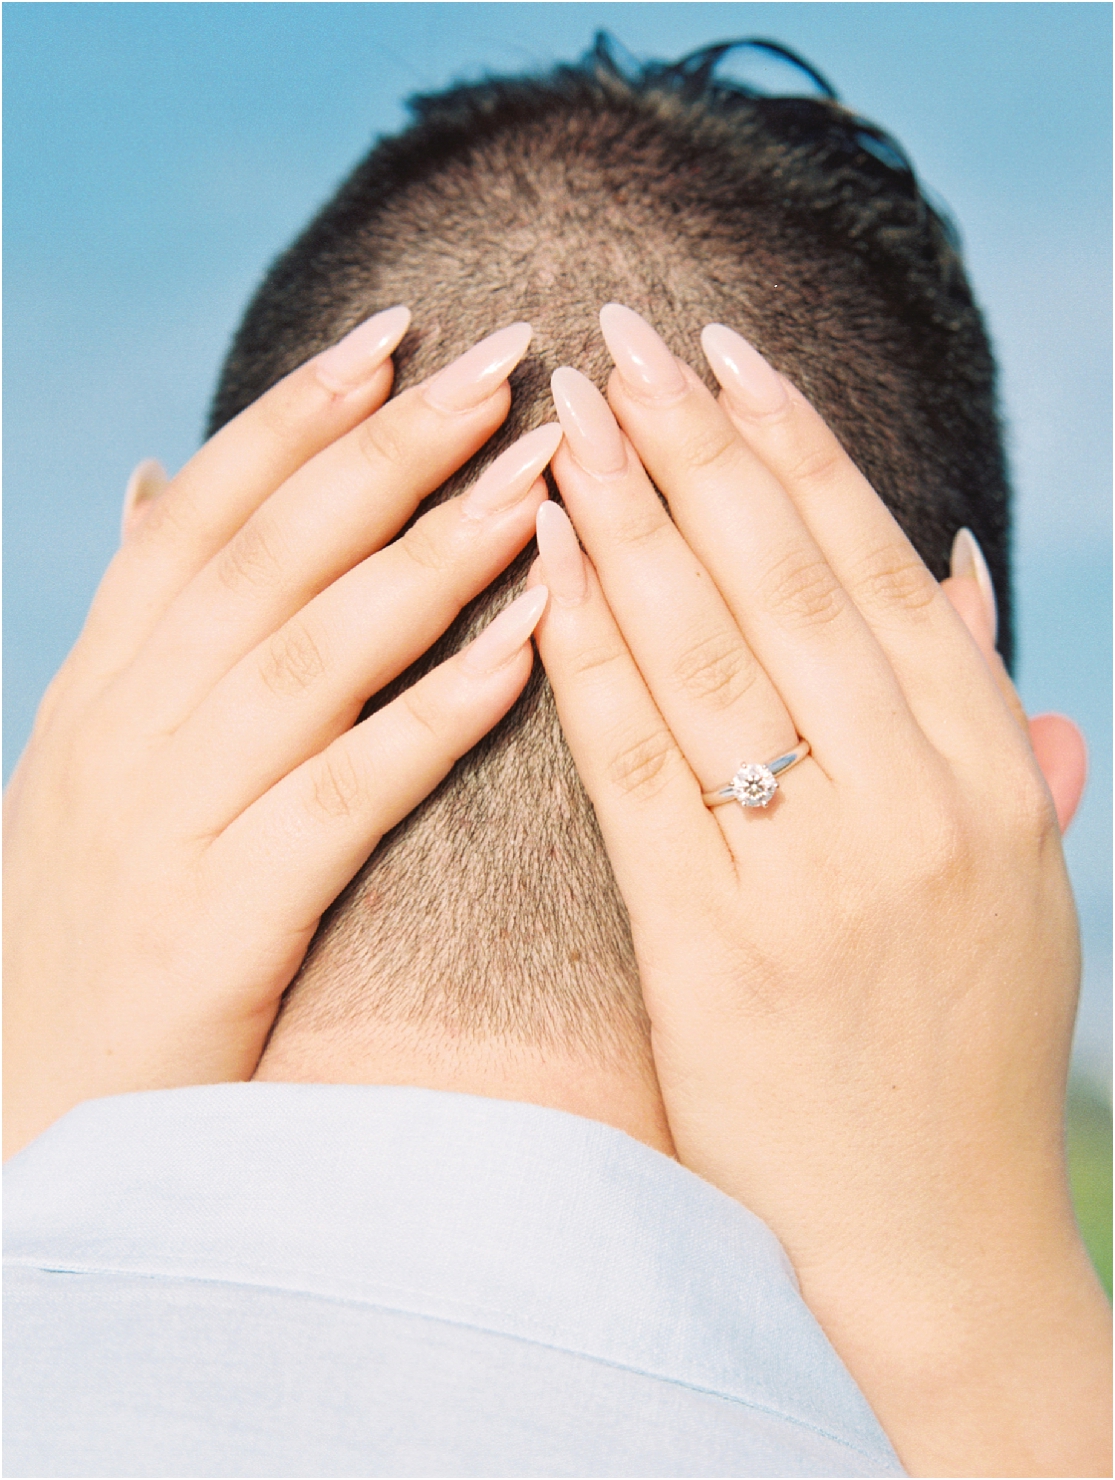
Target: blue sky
158,156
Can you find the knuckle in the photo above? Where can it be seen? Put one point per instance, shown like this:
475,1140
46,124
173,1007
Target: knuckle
890,578
424,545
381,443
1033,815
946,848
338,787
816,464
642,525
947,851
595,660
718,671
425,713
800,589
643,767
712,448
292,660
282,410
253,558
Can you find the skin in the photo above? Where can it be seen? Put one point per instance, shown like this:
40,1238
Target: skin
886,1095
194,793
862,997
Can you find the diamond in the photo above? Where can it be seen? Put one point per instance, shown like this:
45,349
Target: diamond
753,786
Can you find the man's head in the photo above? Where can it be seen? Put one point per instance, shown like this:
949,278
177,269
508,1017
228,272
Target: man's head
491,913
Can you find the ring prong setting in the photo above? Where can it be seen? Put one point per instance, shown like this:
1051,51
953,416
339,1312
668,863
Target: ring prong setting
754,786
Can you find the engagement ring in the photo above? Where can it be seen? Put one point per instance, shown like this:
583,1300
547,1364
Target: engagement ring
754,785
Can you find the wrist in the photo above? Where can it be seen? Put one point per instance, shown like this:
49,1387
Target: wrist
999,1366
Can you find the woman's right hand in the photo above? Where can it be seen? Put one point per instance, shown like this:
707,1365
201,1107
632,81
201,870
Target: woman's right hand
194,793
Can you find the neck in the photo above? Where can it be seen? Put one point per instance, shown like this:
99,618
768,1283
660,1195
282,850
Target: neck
622,1092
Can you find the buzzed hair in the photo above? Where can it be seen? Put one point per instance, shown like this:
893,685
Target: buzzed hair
491,912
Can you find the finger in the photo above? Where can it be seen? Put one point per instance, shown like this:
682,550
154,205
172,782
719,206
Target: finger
1058,746
797,618
969,600
301,843
1062,755
222,485
344,504
662,841
714,695
305,685
862,541
1056,743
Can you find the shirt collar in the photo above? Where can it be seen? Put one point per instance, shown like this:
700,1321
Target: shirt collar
495,1214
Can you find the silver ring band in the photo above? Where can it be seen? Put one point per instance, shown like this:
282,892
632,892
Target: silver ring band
754,785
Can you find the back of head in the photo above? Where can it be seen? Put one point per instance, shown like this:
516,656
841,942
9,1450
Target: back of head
491,912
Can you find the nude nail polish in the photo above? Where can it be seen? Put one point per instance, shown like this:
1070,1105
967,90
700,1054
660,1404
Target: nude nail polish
355,358
563,565
514,473
752,386
479,371
503,637
590,428
147,481
644,362
967,559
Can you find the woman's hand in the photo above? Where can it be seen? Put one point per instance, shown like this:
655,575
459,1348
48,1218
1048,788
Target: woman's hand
194,795
861,995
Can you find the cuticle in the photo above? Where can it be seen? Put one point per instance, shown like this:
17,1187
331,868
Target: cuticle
758,417
609,477
465,411
569,601
639,394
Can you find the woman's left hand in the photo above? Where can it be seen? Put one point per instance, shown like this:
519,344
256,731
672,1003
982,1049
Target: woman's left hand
862,995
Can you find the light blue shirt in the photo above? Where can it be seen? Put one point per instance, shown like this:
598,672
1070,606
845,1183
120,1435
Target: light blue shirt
273,1280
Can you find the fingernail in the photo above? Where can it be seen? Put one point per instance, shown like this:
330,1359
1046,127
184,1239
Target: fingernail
753,386
479,371
967,560
353,359
563,565
503,638
645,364
513,474
589,426
146,482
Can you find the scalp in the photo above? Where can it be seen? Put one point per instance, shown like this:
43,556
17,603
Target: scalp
491,911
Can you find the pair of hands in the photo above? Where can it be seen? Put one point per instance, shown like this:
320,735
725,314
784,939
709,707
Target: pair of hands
861,997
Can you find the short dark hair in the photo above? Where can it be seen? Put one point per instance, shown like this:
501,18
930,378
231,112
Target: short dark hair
492,910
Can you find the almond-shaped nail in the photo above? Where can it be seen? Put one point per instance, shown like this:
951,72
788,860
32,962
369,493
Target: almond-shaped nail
967,560
505,636
644,362
590,428
513,474
352,361
563,565
479,371
147,481
753,386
